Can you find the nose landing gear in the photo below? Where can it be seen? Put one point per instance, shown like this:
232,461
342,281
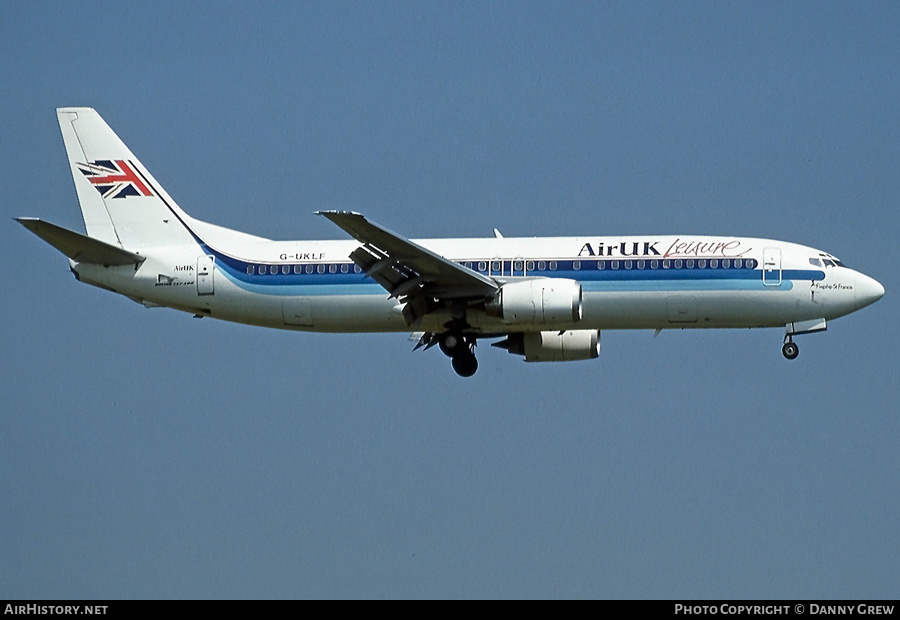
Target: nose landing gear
789,349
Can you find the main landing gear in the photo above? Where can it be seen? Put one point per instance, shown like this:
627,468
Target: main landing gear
460,350
789,349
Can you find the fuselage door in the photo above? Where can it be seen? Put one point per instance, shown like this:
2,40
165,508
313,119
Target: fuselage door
772,266
205,271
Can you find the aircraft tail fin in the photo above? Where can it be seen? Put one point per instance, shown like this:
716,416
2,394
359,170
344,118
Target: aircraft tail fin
121,202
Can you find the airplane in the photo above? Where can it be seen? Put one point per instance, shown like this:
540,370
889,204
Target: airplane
542,298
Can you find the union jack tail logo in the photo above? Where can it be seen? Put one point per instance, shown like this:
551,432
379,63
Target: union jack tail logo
115,178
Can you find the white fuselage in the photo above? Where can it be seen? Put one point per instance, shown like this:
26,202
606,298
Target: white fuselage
653,282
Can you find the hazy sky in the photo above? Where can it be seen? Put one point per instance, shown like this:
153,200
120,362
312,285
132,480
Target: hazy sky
144,453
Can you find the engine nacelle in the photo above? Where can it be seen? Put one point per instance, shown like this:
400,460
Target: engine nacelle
568,346
538,301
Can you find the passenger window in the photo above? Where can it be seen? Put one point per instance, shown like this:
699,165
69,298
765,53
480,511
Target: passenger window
601,264
628,264
553,265
541,265
667,264
689,263
345,268
309,269
713,263
250,269
726,263
701,263
738,263
332,268
285,269
482,266
320,269
576,264
678,264
654,264
641,264
615,264
518,265
529,265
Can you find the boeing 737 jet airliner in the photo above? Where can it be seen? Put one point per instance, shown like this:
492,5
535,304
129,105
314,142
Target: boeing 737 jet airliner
543,298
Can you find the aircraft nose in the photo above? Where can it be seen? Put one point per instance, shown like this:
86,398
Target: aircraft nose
868,290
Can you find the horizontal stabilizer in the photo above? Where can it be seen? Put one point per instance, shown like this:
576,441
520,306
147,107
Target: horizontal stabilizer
78,247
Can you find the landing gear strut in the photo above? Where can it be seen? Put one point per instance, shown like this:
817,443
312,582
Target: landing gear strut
789,349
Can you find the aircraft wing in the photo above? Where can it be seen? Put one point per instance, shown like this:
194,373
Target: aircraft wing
405,268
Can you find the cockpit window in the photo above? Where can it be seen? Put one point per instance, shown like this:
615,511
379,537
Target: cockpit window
827,259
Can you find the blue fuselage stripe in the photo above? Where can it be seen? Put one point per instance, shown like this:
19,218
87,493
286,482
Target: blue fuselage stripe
592,280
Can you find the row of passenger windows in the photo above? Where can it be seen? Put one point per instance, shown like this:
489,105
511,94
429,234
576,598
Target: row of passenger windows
498,267
298,269
576,265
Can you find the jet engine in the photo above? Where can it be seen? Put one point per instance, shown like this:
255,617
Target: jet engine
578,344
537,301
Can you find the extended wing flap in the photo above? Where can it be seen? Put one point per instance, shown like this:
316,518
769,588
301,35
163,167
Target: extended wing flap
401,265
78,247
